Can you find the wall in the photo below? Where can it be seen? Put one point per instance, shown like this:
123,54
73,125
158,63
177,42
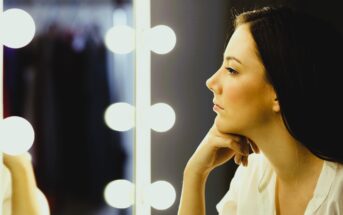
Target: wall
178,78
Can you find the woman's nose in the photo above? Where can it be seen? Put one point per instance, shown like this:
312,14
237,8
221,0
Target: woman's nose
212,84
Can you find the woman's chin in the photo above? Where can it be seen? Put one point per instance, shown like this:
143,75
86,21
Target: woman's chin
225,127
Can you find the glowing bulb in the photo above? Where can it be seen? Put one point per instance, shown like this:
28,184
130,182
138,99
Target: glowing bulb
161,195
119,193
161,39
120,39
16,135
162,117
120,116
43,203
17,28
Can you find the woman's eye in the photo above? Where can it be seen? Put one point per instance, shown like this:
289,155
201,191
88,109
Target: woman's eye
230,70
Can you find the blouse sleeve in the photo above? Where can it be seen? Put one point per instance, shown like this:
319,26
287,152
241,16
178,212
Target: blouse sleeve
228,204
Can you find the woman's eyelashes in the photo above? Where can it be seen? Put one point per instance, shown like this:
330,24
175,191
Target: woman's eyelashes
231,70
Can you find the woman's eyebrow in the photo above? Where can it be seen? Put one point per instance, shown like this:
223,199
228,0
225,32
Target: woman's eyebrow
232,58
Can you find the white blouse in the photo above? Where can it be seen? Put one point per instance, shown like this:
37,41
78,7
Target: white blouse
252,190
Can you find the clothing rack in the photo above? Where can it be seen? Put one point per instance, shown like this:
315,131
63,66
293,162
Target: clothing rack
68,15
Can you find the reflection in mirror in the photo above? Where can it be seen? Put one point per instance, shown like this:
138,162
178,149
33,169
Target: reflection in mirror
62,83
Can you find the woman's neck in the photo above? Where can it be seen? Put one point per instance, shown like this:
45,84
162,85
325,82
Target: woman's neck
292,162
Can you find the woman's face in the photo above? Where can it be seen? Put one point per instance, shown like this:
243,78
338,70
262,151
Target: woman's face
240,87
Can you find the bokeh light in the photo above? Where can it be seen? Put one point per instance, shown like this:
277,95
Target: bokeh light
17,28
119,193
120,116
161,195
161,39
120,39
16,135
162,117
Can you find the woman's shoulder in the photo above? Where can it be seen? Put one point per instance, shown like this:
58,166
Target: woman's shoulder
329,191
339,170
337,183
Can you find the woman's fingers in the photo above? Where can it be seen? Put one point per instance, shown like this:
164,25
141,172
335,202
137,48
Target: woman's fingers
245,161
242,146
232,143
241,159
253,146
238,159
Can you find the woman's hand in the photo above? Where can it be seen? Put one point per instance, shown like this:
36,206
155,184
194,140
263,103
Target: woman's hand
217,148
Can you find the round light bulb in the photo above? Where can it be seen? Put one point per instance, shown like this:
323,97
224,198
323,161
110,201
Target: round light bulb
43,203
16,135
120,116
161,195
161,39
119,193
120,39
17,28
162,117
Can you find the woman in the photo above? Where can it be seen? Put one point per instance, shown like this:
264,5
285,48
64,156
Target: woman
276,93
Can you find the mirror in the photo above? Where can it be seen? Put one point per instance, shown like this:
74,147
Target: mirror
63,82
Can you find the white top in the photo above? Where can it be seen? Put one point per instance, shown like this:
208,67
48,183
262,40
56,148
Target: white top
5,189
252,190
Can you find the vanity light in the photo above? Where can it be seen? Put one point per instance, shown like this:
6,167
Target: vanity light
120,39
16,135
161,195
161,39
120,116
17,28
119,193
162,117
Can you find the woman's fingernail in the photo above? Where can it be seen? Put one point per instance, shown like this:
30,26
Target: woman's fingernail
247,151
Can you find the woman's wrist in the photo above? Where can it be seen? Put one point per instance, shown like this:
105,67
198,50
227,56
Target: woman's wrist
195,174
22,161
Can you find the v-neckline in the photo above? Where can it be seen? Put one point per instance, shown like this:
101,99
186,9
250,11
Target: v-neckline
322,187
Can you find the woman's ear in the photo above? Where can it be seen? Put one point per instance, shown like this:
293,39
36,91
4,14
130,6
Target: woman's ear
276,105
273,98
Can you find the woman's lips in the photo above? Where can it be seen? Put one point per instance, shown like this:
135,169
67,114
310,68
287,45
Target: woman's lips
217,108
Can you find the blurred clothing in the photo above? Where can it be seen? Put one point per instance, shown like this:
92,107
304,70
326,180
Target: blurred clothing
59,83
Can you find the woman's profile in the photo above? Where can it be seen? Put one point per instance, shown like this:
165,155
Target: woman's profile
276,96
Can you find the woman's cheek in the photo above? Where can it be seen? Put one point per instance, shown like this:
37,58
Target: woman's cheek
233,95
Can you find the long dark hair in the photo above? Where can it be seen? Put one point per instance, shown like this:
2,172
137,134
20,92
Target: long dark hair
303,58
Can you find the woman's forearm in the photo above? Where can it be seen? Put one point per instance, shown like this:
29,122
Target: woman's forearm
193,194
24,192
214,150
